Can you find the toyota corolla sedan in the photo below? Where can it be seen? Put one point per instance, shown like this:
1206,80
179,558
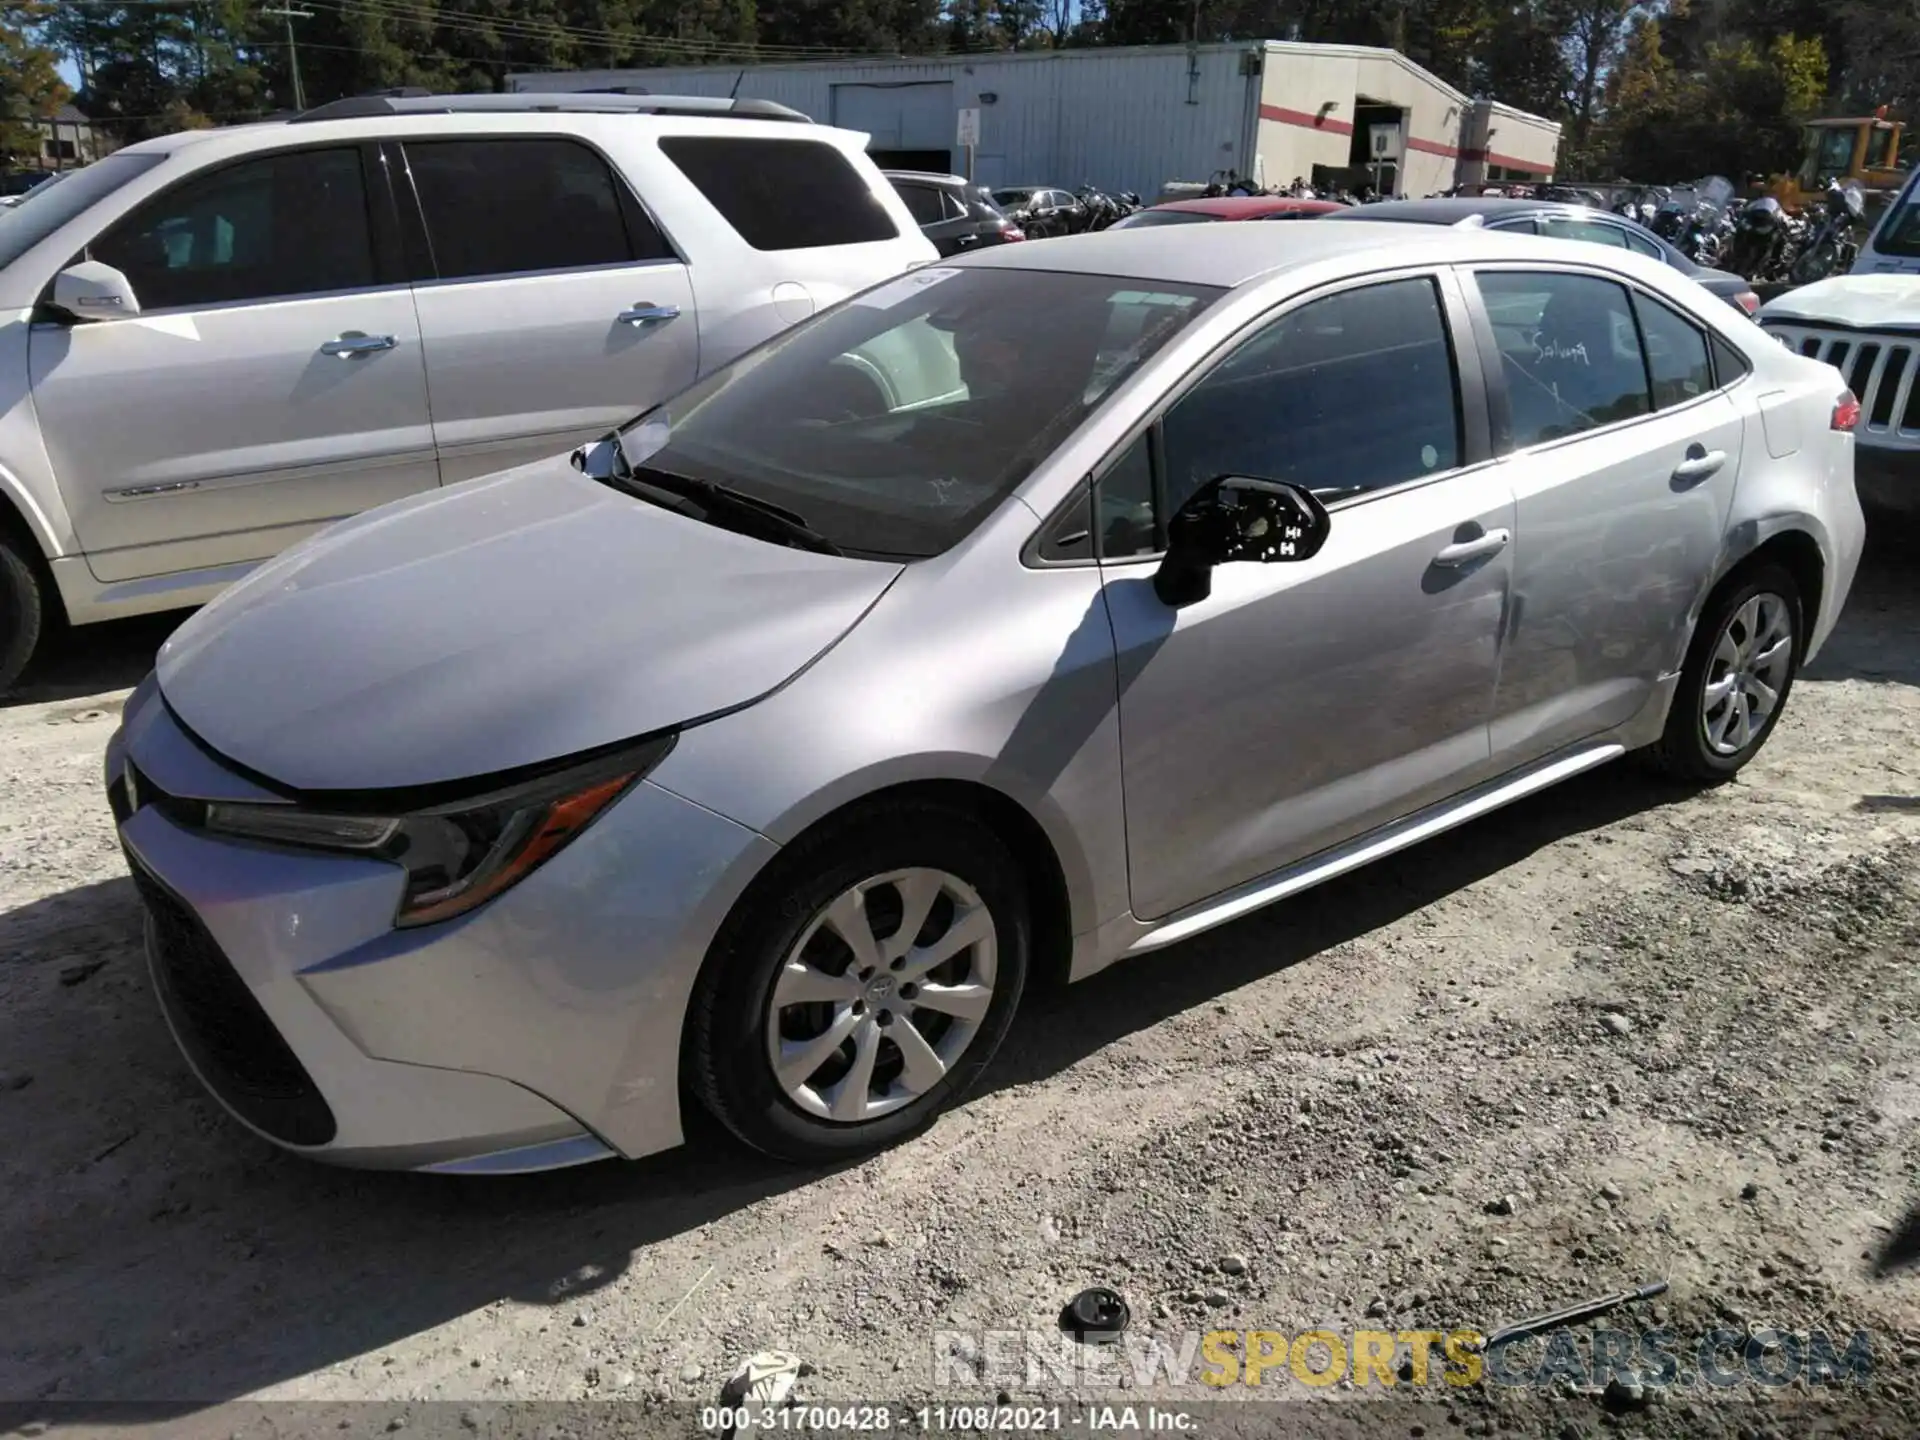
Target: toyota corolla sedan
1006,621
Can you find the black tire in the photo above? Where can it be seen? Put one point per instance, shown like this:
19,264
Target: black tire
25,616
727,1068
1682,753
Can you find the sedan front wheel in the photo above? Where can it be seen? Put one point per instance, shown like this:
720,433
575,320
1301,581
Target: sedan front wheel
862,985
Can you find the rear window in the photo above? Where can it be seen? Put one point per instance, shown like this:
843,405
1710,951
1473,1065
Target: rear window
38,215
782,194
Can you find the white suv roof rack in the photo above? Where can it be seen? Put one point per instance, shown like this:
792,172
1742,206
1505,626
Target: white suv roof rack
603,102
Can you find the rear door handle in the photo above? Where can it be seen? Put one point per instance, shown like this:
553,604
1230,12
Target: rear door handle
354,343
966,240
1466,551
649,314
1699,464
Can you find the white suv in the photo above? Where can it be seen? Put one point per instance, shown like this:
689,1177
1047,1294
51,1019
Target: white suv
218,342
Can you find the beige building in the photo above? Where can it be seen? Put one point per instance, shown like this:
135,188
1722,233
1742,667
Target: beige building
1135,118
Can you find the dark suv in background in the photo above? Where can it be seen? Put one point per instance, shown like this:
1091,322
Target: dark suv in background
954,214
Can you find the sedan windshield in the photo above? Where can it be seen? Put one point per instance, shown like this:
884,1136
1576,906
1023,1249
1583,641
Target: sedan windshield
1141,218
894,423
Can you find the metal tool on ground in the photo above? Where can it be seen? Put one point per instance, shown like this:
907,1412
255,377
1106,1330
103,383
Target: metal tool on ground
1573,1314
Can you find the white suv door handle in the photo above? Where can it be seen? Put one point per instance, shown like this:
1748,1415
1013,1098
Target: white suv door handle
1699,464
354,343
1491,543
647,314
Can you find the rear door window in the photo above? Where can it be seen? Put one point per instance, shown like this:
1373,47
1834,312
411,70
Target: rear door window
1569,350
269,229
1678,360
782,194
923,203
521,206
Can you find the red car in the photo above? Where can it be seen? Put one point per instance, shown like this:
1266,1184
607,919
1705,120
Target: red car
1228,207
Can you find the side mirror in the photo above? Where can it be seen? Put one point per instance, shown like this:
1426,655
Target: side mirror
93,291
1237,517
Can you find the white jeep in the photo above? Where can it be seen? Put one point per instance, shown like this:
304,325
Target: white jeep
1867,326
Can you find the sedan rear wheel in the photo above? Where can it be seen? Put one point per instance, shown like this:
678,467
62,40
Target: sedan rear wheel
25,615
1738,674
862,985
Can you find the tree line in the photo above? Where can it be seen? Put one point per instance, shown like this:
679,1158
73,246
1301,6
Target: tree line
1652,91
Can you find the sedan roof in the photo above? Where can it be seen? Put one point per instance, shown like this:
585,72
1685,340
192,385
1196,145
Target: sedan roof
1452,209
1230,255
1250,207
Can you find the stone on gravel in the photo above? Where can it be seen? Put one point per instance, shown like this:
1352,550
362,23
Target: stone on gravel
1616,1024
691,1373
1503,1205
1612,1192
1233,1264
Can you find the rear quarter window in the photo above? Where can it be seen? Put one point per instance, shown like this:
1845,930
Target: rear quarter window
782,194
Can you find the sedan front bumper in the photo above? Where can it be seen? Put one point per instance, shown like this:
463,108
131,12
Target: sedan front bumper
542,1029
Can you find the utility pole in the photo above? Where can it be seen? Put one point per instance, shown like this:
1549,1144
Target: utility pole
293,54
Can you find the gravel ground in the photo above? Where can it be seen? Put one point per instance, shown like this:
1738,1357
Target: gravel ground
1614,1035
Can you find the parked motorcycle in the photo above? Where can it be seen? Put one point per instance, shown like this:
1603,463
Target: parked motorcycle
1834,241
1707,229
1763,241
1102,209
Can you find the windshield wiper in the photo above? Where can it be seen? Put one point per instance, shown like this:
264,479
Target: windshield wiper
715,496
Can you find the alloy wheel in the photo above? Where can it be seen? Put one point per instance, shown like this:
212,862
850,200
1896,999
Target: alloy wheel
884,991
1748,670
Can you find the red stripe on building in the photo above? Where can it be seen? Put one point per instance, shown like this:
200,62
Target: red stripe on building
1328,125
1301,118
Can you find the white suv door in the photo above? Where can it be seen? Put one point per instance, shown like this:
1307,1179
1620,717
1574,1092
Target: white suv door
271,383
556,308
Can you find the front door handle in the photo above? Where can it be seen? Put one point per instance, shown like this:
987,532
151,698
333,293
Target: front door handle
649,314
1699,464
353,343
966,240
1467,551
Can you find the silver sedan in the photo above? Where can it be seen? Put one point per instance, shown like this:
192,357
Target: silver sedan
1006,621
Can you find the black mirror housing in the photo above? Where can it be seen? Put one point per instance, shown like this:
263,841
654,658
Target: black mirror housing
1236,518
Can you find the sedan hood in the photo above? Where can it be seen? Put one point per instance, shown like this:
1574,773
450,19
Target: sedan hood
510,621
1862,301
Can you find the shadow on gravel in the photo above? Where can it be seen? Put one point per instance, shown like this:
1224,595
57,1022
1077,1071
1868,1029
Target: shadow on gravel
1058,1028
158,1253
1878,637
95,659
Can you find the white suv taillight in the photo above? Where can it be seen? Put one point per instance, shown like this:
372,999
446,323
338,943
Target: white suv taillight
1846,411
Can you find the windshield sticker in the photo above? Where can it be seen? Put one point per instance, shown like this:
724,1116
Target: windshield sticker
885,297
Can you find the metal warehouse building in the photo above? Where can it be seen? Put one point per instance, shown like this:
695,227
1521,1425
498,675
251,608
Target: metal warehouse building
1136,118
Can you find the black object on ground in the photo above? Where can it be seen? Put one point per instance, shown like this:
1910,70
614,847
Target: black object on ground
1095,1316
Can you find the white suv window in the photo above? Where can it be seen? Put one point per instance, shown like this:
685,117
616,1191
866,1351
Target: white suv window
519,206
267,229
782,194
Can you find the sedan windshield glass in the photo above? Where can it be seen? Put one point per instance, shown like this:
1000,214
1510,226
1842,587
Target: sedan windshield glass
1141,218
48,207
893,424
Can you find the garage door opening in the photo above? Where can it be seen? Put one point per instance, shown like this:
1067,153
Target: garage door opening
1382,167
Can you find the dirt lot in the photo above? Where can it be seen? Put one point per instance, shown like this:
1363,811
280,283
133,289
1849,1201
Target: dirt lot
1614,1035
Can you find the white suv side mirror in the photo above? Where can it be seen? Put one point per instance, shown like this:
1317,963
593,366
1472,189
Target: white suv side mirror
93,291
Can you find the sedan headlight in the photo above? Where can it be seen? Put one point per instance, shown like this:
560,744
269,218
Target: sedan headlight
460,854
